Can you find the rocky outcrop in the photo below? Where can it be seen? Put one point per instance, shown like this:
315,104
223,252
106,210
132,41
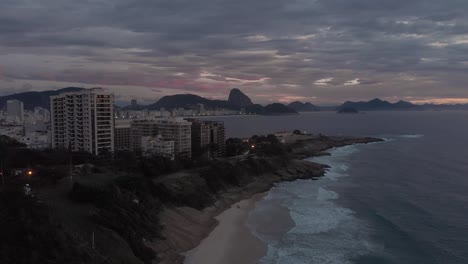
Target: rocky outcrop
239,99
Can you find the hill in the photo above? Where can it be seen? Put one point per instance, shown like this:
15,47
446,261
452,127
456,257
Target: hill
188,101
379,105
303,107
271,109
35,99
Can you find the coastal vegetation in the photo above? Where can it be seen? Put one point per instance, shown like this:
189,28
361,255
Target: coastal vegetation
108,208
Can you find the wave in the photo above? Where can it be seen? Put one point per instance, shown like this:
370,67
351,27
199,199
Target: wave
324,231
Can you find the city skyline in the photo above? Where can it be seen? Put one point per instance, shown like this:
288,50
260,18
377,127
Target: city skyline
324,52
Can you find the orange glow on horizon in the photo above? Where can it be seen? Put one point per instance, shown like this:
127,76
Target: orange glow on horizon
441,101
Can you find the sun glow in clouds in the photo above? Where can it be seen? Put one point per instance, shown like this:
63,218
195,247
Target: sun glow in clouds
325,81
352,82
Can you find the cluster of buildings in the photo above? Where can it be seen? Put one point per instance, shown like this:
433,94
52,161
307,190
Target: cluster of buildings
87,121
28,127
199,110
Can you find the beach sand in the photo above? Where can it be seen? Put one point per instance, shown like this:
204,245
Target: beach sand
231,242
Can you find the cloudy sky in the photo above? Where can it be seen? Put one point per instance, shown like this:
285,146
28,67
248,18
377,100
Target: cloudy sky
322,51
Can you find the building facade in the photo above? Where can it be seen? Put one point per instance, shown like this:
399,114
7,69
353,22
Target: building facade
208,139
179,131
172,129
122,139
83,121
140,129
157,145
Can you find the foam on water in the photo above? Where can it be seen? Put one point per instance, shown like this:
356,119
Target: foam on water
324,232
412,136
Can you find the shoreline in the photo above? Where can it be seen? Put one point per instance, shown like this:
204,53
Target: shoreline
231,241
187,228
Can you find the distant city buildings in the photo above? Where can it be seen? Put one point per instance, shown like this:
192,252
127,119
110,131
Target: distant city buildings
41,114
87,121
15,111
83,121
199,110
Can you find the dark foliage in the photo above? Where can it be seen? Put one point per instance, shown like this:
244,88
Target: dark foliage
268,146
128,207
29,235
236,147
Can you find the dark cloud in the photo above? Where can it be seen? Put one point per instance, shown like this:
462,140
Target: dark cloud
413,49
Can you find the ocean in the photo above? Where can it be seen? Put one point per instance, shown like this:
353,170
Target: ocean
404,200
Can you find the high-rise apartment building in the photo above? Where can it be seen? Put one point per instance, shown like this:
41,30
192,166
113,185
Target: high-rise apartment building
180,131
122,138
83,121
208,138
15,111
174,129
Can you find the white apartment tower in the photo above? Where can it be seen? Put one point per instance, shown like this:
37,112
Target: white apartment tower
83,121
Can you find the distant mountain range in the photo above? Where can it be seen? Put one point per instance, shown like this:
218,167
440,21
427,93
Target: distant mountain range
377,104
237,100
35,99
380,105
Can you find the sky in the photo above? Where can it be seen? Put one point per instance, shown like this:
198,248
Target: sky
319,51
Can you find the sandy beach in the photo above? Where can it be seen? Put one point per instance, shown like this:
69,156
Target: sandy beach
231,242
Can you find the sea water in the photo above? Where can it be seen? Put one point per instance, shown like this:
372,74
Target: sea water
404,200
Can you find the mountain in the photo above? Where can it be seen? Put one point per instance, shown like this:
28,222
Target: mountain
238,99
255,109
277,108
35,99
187,101
303,107
379,105
271,109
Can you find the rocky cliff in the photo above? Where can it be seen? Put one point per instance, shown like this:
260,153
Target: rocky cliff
239,99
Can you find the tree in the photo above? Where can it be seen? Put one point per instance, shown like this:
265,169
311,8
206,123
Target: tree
297,132
236,146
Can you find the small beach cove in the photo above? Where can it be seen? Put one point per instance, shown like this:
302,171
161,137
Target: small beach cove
186,228
253,230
